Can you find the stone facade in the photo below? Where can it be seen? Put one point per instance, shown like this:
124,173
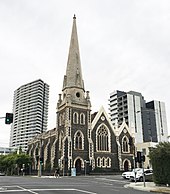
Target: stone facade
81,140
101,149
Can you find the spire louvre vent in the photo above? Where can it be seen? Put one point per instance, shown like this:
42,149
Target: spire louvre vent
74,17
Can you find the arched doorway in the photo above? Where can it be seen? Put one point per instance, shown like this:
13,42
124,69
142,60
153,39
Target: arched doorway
126,165
78,166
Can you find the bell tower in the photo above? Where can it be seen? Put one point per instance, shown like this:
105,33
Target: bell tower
74,113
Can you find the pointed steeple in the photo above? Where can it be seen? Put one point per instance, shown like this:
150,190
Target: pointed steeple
73,77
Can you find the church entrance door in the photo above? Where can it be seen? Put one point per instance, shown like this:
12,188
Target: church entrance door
78,166
126,166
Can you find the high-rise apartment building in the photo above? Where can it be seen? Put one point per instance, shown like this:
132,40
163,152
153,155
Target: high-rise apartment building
147,120
30,108
155,122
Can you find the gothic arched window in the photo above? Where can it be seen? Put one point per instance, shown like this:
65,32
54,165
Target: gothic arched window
108,162
75,118
103,138
82,118
60,119
78,141
98,162
125,146
103,162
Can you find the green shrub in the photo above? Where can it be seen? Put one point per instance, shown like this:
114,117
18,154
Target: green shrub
160,159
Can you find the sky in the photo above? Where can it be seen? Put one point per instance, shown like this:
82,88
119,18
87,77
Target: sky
124,45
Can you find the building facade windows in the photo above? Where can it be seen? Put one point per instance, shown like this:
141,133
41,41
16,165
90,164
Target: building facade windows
125,145
139,115
78,141
75,118
103,162
82,118
103,138
60,120
79,119
98,162
30,108
108,162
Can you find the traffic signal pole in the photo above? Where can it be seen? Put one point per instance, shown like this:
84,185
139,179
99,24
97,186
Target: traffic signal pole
141,160
134,162
134,155
8,118
40,160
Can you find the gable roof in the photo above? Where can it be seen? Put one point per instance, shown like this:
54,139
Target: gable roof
98,115
124,126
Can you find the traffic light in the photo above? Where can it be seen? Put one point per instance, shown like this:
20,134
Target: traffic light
143,158
9,118
41,160
139,158
136,159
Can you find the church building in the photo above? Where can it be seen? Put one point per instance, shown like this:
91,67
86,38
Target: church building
81,140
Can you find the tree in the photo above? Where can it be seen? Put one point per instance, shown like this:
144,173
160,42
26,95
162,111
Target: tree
160,159
2,163
12,163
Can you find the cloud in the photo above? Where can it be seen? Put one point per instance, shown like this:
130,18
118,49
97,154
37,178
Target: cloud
124,45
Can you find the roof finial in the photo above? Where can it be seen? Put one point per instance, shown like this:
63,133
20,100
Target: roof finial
74,16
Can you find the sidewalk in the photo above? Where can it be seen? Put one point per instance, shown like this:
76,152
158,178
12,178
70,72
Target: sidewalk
149,186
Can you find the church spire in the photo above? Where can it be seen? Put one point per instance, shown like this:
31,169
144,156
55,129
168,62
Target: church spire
73,77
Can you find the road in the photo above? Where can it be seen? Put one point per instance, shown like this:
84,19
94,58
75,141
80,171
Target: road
65,185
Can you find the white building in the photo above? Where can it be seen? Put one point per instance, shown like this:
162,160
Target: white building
5,150
146,120
145,148
127,106
30,109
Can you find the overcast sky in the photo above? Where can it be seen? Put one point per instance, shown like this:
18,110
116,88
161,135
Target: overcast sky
124,45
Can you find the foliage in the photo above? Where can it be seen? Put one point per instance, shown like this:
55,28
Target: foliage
13,163
160,158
